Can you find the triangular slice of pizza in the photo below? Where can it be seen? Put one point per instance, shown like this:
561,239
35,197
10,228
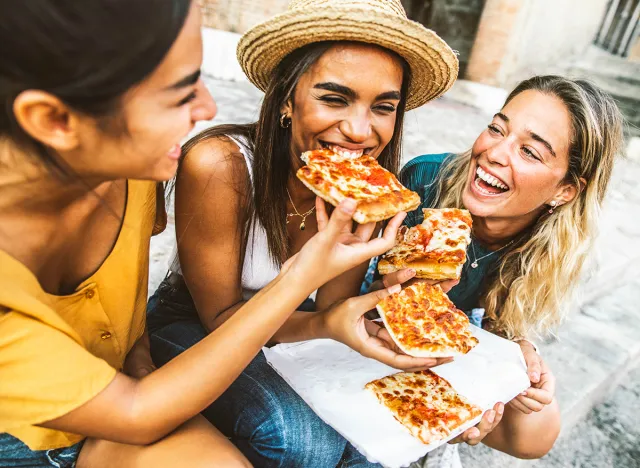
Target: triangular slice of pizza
424,322
424,403
334,177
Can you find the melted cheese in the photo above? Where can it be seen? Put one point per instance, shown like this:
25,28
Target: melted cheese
424,403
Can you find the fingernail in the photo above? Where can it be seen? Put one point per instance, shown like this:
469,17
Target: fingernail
394,289
492,416
411,272
500,408
523,393
348,205
535,376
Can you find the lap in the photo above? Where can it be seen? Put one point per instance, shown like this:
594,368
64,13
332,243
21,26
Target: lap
194,444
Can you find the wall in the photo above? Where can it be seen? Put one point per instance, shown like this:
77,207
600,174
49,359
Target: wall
520,38
455,21
239,15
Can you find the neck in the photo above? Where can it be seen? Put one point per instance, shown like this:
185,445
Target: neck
27,185
495,233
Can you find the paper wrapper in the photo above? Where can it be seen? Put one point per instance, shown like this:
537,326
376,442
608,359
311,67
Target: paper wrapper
331,377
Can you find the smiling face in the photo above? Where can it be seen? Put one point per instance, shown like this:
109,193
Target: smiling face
519,163
153,119
347,101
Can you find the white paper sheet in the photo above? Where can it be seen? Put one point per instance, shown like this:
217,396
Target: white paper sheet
331,377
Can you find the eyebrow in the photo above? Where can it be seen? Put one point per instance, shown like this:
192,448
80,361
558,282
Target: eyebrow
533,135
338,88
186,81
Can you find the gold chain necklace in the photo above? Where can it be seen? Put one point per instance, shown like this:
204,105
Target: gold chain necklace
303,215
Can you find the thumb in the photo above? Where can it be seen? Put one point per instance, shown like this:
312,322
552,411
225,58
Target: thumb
340,218
362,304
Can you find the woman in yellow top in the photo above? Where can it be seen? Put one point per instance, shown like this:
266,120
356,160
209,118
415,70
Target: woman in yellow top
96,98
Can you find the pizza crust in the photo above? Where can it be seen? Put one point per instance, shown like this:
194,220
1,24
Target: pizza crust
424,269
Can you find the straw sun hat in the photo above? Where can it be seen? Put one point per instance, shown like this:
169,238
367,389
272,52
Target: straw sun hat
434,66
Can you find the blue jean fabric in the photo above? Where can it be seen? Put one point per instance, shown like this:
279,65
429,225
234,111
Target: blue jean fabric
14,453
260,413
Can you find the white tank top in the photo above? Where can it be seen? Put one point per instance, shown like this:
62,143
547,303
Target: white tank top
258,269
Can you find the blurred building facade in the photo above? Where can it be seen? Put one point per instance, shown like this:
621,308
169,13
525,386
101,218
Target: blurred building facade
500,42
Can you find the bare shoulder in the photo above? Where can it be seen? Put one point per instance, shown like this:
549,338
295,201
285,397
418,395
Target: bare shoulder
217,158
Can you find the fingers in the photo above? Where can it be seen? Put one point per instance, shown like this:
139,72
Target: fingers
541,396
361,304
321,214
490,419
533,361
364,231
376,349
390,231
547,379
398,277
340,218
448,284
527,405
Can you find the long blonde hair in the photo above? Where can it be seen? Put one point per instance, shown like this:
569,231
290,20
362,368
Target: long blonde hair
529,290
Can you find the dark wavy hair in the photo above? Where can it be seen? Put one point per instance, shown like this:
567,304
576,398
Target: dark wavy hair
87,53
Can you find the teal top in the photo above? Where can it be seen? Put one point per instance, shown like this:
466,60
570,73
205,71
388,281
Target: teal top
420,175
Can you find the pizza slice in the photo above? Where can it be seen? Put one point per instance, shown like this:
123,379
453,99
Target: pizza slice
424,403
424,322
334,177
435,249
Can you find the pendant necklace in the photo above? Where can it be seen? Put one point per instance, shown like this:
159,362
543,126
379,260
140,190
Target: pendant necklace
474,264
301,215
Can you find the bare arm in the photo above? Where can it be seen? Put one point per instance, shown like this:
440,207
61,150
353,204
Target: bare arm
143,411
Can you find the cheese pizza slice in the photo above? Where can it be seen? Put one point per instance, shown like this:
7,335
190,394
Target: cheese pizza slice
334,177
424,322
424,403
435,249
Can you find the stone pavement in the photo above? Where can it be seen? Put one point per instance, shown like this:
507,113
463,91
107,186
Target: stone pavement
595,349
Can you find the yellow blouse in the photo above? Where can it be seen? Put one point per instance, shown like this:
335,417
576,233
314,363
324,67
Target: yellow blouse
58,352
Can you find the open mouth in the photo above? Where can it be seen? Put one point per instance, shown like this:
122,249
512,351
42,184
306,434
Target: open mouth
345,152
488,184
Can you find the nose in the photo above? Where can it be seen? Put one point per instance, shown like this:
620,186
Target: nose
204,107
357,126
499,152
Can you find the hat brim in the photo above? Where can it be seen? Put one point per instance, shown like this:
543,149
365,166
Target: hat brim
434,66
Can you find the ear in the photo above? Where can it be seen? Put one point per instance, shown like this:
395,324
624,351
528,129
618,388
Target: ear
568,192
47,119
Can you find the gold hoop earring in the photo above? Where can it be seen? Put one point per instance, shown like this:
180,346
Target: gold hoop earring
553,206
285,121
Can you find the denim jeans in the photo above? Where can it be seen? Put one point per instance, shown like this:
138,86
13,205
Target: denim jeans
260,413
14,453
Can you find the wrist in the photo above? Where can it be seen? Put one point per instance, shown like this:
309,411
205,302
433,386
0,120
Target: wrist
521,339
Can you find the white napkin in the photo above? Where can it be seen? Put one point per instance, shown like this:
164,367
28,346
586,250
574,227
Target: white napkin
331,377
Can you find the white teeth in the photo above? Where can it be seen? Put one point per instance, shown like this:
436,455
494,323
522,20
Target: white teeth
489,179
346,153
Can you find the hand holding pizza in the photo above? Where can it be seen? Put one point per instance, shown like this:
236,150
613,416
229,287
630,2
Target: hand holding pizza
490,420
335,249
345,322
543,382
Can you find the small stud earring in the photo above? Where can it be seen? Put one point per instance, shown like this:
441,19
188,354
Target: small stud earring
285,120
553,206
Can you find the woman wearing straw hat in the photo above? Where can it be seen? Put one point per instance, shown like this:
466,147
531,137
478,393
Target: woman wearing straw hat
335,74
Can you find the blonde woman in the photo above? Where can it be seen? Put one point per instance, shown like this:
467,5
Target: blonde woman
534,182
